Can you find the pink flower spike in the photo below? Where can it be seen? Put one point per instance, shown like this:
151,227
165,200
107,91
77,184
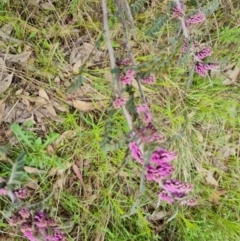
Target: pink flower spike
149,80
127,78
178,187
201,69
196,18
164,196
22,193
158,172
126,62
119,102
161,155
211,66
149,134
136,152
144,114
29,235
204,53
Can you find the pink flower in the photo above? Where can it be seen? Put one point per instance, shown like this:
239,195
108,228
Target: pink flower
56,236
164,196
40,219
149,80
22,193
196,18
144,114
126,79
29,235
126,62
158,172
211,66
24,213
204,53
178,11
201,69
161,155
177,187
136,152
149,134
119,102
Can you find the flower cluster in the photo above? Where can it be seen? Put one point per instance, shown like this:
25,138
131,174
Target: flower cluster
159,169
151,79
199,54
119,102
36,226
127,78
21,193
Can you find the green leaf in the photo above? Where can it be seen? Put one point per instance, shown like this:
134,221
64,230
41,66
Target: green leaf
211,7
50,139
22,135
38,142
77,83
17,172
137,6
157,25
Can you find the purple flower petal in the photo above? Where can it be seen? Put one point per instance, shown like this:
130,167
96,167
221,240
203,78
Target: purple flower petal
136,152
126,79
144,113
204,53
164,196
196,18
161,155
119,102
177,187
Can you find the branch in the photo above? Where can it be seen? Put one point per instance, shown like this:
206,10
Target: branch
122,20
117,87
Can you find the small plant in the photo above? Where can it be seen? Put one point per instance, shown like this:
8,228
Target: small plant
33,224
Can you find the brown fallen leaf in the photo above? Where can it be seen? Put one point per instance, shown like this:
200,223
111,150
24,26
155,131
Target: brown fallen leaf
47,6
158,216
5,83
33,170
18,58
78,174
7,38
233,74
211,180
88,106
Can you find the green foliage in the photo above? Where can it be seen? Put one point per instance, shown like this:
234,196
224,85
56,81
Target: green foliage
157,25
76,84
211,7
16,173
229,35
137,6
31,140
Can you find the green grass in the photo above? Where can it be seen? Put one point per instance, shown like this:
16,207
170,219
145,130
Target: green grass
210,139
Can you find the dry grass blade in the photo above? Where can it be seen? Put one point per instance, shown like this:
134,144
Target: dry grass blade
88,106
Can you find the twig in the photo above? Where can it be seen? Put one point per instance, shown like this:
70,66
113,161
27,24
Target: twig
130,18
182,20
121,14
117,87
